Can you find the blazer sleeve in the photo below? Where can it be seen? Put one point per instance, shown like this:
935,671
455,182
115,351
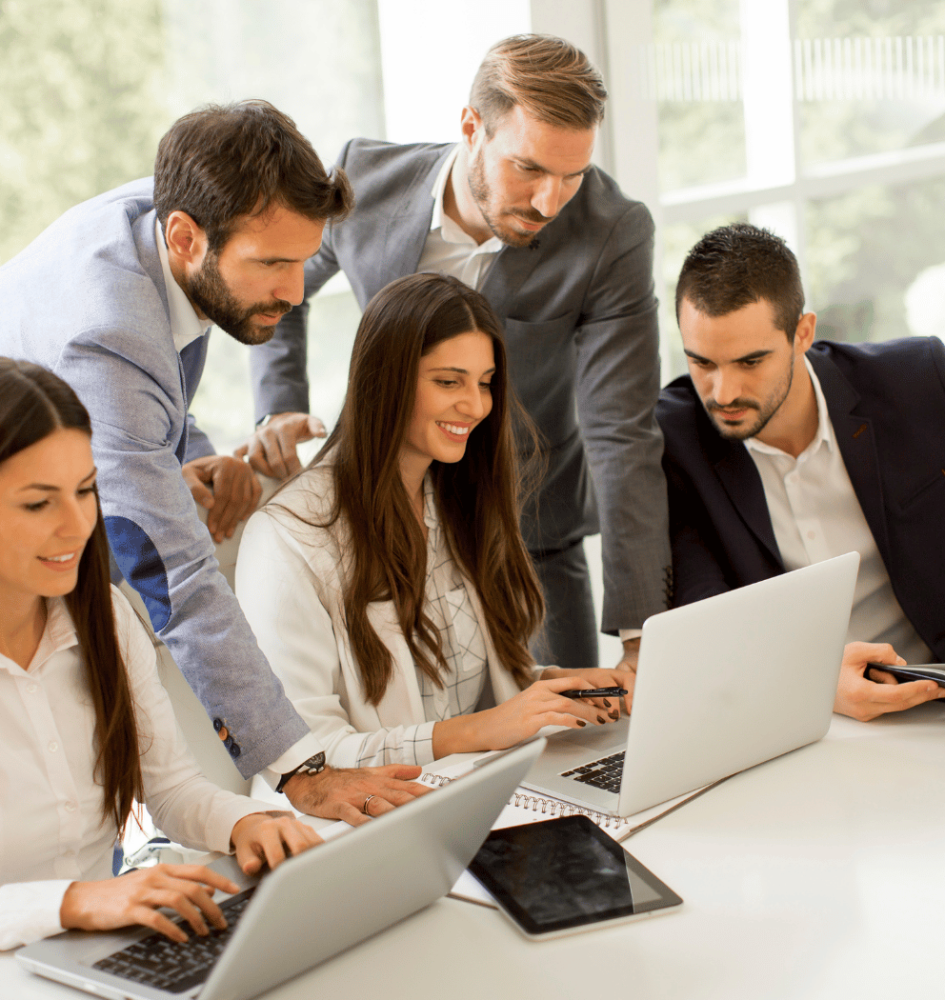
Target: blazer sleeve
190,809
276,582
618,383
166,553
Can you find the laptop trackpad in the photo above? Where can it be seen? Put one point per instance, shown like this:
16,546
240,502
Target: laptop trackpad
596,742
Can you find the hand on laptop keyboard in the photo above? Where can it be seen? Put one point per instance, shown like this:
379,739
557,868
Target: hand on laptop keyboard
135,898
268,839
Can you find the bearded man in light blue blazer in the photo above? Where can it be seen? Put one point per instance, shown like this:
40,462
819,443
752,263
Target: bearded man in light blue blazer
517,210
117,298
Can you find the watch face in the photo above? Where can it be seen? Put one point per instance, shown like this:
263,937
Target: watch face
314,765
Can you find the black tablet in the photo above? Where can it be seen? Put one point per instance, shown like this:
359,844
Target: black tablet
566,875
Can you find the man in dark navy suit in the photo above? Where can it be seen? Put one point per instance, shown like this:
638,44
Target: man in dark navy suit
781,453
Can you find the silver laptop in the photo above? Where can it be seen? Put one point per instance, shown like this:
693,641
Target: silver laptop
722,685
308,909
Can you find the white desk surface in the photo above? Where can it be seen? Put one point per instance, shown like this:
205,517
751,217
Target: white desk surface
818,875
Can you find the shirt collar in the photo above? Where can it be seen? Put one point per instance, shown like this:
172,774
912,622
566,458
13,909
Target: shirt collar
824,435
186,325
450,231
58,635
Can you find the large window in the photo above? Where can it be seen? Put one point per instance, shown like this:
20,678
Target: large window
822,119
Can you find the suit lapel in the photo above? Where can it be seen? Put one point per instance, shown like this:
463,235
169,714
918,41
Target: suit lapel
739,476
409,223
507,274
857,443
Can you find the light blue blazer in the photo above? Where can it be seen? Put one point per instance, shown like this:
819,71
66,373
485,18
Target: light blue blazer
87,300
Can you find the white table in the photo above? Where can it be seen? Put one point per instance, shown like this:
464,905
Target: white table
817,875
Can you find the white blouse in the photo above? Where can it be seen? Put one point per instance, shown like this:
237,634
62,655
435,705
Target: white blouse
290,581
51,827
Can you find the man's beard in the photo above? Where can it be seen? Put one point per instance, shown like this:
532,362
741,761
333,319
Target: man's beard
765,411
212,296
482,195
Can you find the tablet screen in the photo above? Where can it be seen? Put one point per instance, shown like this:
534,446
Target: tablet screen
566,874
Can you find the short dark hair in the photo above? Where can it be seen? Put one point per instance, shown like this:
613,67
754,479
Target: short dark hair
550,78
222,162
736,265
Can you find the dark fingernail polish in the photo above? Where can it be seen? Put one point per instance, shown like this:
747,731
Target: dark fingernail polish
615,716
581,722
601,719
606,703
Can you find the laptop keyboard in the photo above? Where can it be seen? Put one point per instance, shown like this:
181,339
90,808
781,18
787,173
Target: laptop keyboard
605,773
167,965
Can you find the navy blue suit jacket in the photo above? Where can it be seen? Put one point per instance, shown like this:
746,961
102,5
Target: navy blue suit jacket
887,405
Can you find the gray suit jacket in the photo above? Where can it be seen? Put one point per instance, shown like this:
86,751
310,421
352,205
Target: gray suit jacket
87,300
580,324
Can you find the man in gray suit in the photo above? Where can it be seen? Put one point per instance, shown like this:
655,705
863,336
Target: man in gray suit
516,210
117,298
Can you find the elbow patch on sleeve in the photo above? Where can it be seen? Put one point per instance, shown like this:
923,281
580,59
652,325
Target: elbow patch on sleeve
141,565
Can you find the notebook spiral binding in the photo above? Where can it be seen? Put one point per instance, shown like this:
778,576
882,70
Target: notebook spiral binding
548,807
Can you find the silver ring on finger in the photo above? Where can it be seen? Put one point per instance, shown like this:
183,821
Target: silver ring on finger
364,808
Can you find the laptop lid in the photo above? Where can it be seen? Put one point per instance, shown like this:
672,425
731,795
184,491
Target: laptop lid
722,685
326,900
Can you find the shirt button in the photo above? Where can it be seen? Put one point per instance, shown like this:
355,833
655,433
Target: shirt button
31,687
68,854
70,807
53,746
812,535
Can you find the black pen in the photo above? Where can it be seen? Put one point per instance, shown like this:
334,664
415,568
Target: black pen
595,693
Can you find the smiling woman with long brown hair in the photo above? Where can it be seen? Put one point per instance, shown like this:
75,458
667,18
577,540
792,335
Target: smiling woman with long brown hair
85,726
388,584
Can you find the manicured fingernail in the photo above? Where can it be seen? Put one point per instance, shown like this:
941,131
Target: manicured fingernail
581,722
601,719
606,703
615,716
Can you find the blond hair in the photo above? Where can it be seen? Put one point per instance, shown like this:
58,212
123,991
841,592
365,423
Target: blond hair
551,79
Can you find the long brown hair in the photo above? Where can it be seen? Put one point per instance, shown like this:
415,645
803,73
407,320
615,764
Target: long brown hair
33,404
478,497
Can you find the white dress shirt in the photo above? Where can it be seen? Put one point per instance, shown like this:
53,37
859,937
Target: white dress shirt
451,250
816,516
51,828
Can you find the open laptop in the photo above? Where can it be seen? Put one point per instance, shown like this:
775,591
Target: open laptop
309,909
722,685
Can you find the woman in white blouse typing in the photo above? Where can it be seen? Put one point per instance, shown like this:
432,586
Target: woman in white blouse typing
85,726
388,584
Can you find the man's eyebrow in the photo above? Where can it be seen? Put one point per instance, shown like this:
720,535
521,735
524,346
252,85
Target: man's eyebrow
532,165
55,489
753,356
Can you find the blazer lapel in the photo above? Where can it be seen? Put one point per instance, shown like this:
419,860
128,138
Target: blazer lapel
507,274
857,443
739,475
409,223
